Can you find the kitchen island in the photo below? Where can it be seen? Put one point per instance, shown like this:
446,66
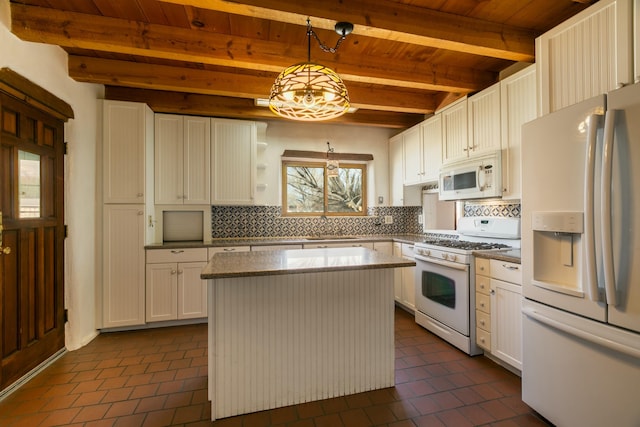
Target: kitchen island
288,327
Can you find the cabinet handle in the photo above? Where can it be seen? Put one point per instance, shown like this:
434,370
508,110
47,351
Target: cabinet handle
511,267
229,249
140,194
177,251
140,213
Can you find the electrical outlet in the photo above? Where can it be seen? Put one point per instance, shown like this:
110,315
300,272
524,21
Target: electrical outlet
420,219
388,219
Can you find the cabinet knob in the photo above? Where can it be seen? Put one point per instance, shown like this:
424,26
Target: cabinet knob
492,292
482,322
173,272
140,213
180,271
140,194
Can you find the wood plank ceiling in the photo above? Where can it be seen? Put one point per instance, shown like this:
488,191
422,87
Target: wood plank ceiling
404,59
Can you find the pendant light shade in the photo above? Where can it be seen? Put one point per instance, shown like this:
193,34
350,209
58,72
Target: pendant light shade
308,91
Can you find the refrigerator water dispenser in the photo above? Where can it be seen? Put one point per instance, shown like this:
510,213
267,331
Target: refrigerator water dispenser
557,238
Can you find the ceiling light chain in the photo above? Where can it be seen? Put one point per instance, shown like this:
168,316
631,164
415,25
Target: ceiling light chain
342,28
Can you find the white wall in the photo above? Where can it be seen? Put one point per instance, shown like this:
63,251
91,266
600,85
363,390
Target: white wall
291,135
47,67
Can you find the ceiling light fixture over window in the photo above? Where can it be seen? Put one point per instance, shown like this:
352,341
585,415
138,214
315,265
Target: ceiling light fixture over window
308,91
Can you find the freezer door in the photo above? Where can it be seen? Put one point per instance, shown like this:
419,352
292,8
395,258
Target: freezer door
625,206
554,175
577,372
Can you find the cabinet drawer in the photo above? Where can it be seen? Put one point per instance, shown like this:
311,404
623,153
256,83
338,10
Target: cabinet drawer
506,271
483,266
483,284
176,255
483,302
407,251
483,339
483,320
223,249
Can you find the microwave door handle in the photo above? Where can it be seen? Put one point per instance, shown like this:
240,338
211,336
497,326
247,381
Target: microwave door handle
589,192
479,175
607,245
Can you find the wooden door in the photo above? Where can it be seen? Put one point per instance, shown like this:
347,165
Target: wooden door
32,259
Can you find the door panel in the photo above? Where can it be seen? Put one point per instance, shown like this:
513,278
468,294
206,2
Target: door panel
31,202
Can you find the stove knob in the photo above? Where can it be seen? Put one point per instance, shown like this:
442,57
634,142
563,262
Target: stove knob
427,252
445,256
453,257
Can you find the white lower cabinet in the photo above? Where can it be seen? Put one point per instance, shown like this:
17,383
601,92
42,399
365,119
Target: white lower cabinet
404,280
174,290
123,266
499,310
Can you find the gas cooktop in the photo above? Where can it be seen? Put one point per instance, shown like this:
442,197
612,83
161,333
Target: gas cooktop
464,244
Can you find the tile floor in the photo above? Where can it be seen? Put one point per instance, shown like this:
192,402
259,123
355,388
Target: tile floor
158,378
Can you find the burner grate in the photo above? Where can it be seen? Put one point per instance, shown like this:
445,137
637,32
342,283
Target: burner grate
464,244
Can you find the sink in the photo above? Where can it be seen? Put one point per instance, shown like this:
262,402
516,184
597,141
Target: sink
331,238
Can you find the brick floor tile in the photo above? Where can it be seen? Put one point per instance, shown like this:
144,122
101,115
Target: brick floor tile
91,413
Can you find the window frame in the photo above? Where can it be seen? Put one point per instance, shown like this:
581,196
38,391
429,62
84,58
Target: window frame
323,165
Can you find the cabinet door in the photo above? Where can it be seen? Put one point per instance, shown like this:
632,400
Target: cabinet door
431,148
124,139
587,55
484,121
197,161
192,291
383,247
518,106
412,155
169,159
123,293
162,292
454,132
506,322
233,154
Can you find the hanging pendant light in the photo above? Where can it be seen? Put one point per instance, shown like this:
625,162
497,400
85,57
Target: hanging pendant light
308,91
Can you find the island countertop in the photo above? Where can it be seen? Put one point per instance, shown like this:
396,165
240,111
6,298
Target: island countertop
269,263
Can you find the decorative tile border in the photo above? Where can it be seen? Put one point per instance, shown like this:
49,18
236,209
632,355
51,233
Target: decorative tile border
501,208
266,221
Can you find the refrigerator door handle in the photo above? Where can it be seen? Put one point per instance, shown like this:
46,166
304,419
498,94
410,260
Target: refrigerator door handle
532,313
607,244
589,191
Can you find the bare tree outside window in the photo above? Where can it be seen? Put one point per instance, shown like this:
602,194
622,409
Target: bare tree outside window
307,190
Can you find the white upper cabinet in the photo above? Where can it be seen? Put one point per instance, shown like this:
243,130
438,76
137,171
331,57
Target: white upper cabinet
412,155
484,121
587,55
182,159
431,148
455,137
518,106
400,195
127,136
423,151
233,162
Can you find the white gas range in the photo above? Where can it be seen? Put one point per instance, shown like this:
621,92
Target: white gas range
445,276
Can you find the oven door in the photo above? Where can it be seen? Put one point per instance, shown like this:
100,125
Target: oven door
442,292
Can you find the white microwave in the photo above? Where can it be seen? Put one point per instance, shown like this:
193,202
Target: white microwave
474,178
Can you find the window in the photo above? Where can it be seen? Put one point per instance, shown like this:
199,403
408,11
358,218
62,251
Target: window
308,190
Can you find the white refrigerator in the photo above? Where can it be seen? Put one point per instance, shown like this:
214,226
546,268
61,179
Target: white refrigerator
581,262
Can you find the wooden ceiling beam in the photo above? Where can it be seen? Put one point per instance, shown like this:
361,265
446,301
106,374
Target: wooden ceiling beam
390,21
75,30
221,106
181,79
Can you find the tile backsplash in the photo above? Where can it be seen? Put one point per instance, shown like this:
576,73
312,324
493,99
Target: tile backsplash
266,221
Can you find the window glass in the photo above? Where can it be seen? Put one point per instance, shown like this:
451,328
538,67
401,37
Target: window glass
310,189
29,184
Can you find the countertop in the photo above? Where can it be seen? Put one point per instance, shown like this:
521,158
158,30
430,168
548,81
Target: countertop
256,241
508,256
268,263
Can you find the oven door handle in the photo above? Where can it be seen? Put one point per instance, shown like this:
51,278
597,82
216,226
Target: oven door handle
449,264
